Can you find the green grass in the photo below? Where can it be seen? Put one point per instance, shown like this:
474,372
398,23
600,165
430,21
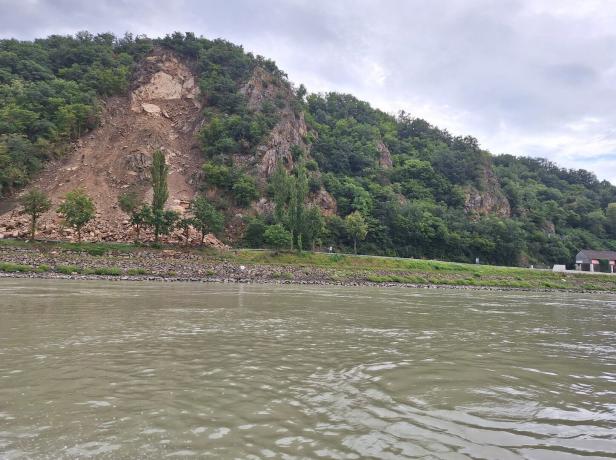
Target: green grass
136,271
9,267
103,271
68,269
94,249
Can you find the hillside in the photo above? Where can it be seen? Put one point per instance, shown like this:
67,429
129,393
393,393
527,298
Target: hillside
162,110
88,111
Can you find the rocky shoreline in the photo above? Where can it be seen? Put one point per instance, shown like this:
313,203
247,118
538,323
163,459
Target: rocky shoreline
181,266
274,281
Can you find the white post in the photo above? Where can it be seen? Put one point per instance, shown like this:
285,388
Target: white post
592,267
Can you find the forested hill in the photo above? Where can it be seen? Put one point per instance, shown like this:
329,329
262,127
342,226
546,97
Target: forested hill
420,191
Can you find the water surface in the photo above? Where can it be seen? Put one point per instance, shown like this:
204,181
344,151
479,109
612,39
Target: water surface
137,370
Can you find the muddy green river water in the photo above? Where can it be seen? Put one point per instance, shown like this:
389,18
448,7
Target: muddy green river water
156,370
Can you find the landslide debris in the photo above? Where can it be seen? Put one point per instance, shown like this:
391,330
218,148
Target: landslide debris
162,110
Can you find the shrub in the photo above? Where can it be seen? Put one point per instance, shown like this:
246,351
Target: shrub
245,191
254,233
217,175
277,237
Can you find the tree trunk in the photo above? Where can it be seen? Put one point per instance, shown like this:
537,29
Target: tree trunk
33,229
355,245
79,234
187,234
202,237
138,231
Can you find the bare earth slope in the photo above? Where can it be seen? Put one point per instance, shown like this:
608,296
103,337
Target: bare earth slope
162,111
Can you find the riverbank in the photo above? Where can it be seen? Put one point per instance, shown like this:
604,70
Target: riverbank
129,262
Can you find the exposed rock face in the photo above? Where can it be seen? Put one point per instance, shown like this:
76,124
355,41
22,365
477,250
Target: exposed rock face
164,77
138,163
326,202
384,155
489,200
161,112
290,129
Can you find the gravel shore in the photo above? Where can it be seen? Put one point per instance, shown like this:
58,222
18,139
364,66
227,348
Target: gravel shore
181,266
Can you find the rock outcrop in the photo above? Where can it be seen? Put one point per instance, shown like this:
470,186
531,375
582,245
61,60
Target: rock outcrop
385,160
288,132
490,199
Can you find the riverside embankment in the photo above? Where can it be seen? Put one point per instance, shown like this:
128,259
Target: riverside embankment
128,262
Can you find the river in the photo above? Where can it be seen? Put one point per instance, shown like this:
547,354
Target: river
155,370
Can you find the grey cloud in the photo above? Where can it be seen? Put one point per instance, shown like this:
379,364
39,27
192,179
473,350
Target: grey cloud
524,76
571,74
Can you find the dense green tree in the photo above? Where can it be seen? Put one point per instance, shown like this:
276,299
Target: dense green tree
159,172
162,222
313,226
245,191
281,186
297,205
611,219
253,234
206,218
217,175
140,217
77,209
357,228
159,219
277,237
35,203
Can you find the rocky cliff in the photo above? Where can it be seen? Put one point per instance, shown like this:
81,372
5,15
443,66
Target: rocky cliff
489,198
290,130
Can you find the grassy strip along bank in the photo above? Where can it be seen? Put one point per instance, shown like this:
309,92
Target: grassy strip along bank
127,261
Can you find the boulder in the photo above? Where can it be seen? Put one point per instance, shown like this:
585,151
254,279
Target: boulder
151,108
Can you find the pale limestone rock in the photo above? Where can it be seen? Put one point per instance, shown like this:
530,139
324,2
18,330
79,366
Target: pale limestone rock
151,108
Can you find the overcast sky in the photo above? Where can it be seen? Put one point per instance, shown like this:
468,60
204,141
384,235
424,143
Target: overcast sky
526,77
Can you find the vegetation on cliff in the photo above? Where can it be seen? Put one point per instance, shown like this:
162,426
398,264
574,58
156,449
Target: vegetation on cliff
411,189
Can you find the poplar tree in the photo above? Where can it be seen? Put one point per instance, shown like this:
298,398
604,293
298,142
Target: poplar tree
159,171
289,195
161,221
